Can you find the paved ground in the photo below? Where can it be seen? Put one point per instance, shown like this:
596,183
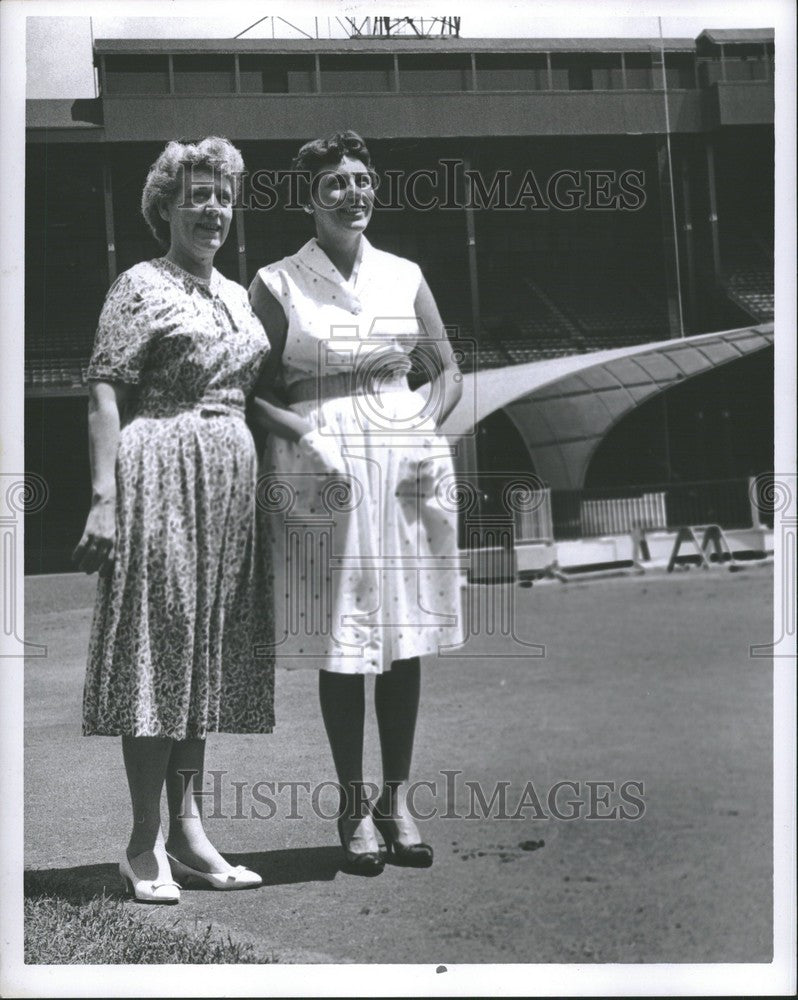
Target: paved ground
645,679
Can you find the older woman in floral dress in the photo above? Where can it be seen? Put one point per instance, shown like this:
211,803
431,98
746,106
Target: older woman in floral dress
180,623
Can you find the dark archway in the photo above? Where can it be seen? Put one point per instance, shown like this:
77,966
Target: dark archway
696,445
502,457
715,426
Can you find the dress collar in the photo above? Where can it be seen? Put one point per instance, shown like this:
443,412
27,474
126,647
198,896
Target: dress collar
313,257
212,283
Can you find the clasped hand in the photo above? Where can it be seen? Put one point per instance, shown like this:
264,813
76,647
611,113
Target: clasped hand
323,452
95,550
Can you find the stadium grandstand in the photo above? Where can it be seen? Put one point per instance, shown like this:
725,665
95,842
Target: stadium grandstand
591,210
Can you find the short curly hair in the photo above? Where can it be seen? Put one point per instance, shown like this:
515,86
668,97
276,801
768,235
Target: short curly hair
164,178
320,154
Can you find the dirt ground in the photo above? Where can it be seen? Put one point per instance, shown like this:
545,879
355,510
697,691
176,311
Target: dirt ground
644,679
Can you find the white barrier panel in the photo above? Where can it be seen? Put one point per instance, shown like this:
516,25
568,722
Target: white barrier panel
533,521
616,516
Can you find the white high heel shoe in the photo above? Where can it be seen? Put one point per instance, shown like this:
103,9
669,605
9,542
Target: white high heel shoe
146,890
237,878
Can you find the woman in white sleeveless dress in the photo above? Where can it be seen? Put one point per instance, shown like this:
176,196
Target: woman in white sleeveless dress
364,551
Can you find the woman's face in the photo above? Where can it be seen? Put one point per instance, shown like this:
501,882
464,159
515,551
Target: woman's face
199,217
342,198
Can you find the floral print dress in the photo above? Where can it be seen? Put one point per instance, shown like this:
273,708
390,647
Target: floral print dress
181,635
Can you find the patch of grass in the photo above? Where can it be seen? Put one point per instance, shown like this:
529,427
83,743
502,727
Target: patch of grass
70,930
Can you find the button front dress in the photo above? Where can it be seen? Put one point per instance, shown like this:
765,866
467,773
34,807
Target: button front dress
366,567
181,637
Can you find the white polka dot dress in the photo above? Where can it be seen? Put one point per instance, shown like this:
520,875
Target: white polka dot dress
366,565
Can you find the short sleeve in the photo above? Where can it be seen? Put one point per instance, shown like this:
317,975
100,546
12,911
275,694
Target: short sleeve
272,281
124,334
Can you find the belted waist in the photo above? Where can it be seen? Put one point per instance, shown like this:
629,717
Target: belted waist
203,408
350,383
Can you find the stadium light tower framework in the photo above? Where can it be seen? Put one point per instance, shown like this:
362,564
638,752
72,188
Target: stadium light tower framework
390,27
370,27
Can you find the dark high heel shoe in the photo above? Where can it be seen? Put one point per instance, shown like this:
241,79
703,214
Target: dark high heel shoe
369,863
407,855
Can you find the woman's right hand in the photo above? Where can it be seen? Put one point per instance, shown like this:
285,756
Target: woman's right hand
95,550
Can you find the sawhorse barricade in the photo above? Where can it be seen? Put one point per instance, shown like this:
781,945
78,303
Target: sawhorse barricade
640,550
714,536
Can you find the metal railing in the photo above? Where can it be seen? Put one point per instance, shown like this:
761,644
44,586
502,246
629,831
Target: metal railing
534,524
589,513
567,515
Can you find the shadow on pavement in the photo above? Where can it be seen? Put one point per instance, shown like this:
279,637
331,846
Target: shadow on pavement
84,882
287,867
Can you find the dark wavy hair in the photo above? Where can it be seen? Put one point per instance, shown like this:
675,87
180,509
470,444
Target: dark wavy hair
321,154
